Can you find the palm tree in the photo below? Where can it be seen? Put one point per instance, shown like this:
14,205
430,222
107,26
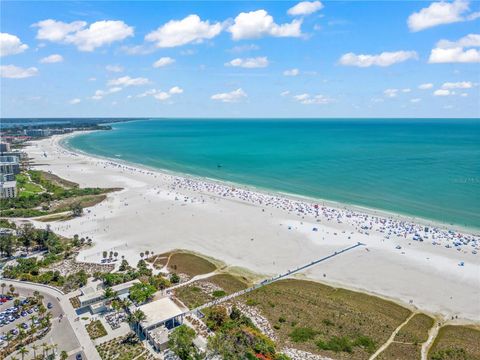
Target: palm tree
34,348
63,355
23,351
109,293
139,316
32,319
44,347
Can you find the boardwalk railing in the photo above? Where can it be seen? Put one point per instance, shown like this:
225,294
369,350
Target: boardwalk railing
270,280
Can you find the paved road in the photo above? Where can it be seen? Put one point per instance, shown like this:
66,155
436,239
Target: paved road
271,280
68,334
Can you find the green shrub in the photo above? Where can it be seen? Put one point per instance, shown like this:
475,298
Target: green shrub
302,334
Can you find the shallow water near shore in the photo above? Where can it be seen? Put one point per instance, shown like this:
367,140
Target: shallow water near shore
424,168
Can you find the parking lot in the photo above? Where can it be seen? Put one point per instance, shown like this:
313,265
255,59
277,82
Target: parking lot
61,332
13,318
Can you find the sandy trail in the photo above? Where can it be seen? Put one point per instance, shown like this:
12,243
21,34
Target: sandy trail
149,214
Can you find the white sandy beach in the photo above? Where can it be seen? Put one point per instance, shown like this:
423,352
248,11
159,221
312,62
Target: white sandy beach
160,212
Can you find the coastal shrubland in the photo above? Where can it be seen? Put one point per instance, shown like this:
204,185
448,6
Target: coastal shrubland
408,342
456,342
42,193
236,337
346,325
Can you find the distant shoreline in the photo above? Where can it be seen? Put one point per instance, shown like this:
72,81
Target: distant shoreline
63,142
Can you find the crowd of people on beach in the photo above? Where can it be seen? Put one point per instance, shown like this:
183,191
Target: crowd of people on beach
364,222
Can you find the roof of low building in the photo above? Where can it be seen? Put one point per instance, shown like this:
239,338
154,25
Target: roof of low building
159,311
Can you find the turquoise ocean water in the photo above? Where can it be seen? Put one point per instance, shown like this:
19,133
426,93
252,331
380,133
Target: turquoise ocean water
424,168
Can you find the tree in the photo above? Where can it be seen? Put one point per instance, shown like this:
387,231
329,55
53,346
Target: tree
6,245
115,254
123,265
180,341
76,209
109,293
63,355
141,292
174,278
136,318
216,317
23,351
26,234
34,348
105,254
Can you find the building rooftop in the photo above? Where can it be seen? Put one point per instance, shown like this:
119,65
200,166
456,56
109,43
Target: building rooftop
89,292
159,311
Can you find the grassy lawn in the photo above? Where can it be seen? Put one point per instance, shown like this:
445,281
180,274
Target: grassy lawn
333,322
123,348
26,187
42,194
190,264
96,329
456,343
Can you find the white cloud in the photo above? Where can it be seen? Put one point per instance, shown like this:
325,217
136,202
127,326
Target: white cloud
470,40
390,93
114,68
307,99
98,34
161,95
291,72
249,63
75,101
128,81
443,92
458,85
464,94
415,100
100,94
305,8
57,31
54,58
11,45
455,55
163,61
92,79
406,90
175,90
425,86
285,93
256,24
456,51
439,13
180,32
233,96
383,59
15,72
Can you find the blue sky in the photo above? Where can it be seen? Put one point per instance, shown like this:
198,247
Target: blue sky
240,59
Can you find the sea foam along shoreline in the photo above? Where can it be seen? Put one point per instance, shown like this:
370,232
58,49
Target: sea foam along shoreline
260,232
63,142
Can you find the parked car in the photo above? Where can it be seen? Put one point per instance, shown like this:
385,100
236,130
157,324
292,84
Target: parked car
49,305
